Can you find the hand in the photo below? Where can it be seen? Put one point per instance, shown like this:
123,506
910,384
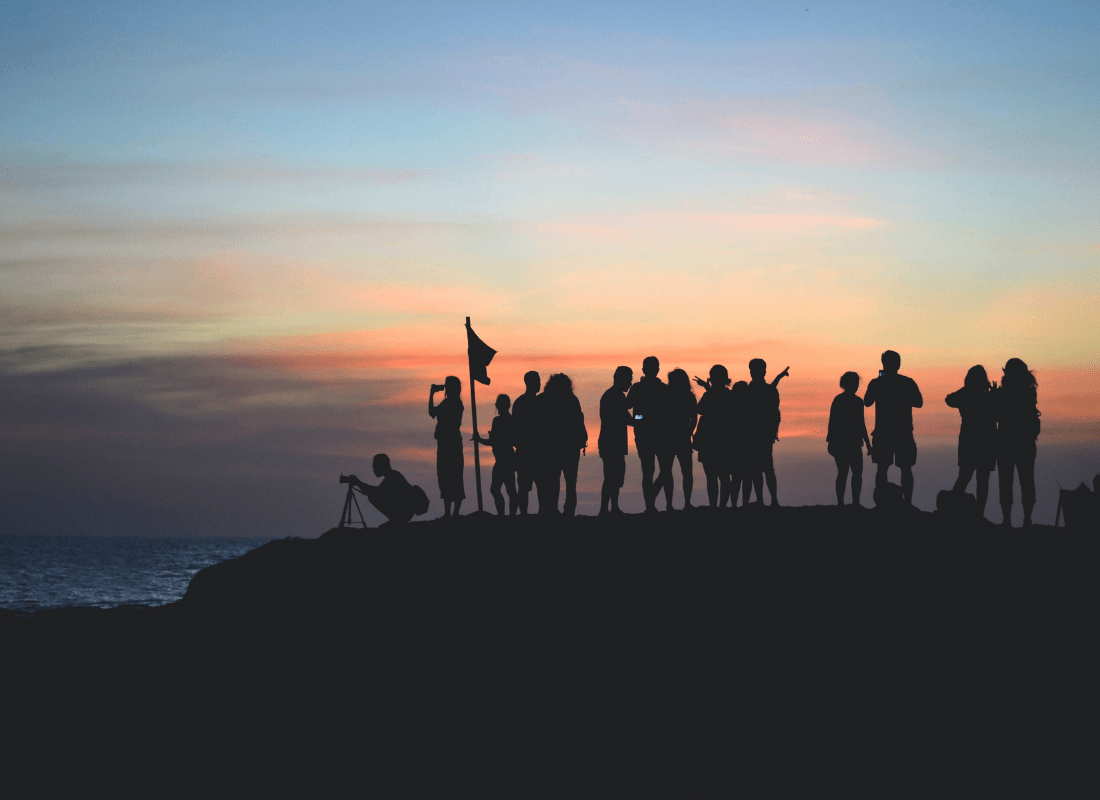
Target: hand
993,385
701,382
785,373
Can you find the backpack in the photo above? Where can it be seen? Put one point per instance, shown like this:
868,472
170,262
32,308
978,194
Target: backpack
420,501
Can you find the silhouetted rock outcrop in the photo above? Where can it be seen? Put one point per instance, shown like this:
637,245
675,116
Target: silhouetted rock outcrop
839,652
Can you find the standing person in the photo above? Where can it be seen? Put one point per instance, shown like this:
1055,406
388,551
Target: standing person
741,460
764,406
684,414
894,397
712,437
501,439
846,436
978,433
1015,407
614,420
448,443
565,436
649,400
525,423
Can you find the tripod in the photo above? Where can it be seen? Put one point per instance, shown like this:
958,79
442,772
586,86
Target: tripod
345,515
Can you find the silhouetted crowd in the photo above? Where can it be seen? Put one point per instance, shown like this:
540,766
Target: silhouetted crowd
538,440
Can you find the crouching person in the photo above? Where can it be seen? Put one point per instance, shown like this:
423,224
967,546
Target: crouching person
394,497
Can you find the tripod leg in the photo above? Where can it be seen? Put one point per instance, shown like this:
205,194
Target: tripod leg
362,519
345,515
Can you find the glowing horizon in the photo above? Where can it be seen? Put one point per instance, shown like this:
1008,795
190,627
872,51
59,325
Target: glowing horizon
236,225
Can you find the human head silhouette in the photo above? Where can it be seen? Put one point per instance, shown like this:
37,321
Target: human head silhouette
651,366
504,402
739,389
381,465
891,362
559,383
849,381
452,386
533,381
976,378
1017,374
679,381
624,376
719,376
758,368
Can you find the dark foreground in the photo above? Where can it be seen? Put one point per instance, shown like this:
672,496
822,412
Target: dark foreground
800,652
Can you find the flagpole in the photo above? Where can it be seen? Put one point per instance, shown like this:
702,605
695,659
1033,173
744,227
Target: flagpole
473,409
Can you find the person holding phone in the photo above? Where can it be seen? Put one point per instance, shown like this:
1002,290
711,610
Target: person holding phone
448,443
649,400
894,397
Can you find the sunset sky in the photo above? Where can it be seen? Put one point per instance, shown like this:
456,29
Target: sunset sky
238,244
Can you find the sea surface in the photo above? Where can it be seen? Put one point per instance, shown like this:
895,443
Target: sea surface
53,571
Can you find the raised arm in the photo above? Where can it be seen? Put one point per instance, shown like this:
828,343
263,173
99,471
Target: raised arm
955,398
869,395
431,399
775,382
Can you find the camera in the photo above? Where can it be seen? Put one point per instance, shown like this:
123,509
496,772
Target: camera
345,479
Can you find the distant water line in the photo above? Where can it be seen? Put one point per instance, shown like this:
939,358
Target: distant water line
38,572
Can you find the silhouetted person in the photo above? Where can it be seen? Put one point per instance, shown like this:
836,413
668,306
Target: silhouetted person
741,459
502,439
764,405
525,420
448,439
683,416
648,399
564,436
846,437
614,420
978,434
1015,407
712,436
393,497
894,397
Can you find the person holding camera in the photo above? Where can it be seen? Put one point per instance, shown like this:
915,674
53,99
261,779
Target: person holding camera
448,439
394,497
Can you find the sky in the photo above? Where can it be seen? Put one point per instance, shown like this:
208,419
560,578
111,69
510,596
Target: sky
238,242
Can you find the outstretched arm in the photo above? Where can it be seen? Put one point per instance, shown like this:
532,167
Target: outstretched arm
775,381
482,439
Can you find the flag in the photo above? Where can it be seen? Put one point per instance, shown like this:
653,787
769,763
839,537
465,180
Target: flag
480,355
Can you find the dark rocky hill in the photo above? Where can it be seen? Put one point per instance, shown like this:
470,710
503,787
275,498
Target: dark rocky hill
798,651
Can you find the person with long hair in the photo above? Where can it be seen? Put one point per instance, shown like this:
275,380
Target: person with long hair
1015,406
846,437
448,443
978,433
565,437
713,433
684,414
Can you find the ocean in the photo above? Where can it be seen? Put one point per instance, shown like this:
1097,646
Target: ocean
39,572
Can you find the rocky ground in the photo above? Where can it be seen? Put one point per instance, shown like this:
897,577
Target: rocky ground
793,652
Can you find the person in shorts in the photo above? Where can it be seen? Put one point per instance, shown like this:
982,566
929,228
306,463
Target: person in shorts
894,397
